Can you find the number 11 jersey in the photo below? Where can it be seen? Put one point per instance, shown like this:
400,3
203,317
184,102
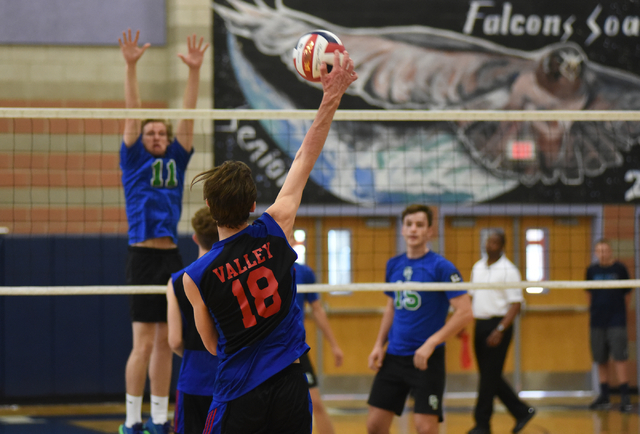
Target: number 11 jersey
247,282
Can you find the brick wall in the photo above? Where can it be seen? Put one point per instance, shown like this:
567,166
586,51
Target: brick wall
62,176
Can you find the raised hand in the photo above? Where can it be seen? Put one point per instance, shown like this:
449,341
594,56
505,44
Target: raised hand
195,55
129,47
341,76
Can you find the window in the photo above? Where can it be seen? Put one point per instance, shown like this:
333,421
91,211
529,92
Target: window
536,260
299,244
339,252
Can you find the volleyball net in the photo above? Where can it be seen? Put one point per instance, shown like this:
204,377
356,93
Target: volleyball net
554,182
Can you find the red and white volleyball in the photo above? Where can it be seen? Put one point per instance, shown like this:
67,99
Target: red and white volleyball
312,49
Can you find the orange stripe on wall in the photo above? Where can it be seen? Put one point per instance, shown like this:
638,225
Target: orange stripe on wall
69,220
73,103
60,170
61,126
60,178
60,161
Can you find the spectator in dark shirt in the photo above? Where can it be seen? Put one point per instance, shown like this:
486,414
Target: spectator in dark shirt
608,323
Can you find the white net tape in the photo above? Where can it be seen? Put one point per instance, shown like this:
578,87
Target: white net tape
352,115
351,287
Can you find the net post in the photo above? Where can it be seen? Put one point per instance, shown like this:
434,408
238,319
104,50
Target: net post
636,242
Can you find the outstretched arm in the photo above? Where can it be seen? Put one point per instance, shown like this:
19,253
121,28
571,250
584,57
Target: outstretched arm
131,53
174,321
320,317
193,59
334,86
204,322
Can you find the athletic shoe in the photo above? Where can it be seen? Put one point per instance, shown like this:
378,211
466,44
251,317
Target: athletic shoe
137,428
625,404
162,428
601,403
520,423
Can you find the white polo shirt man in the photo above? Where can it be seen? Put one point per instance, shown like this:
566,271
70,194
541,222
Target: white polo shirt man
494,311
488,303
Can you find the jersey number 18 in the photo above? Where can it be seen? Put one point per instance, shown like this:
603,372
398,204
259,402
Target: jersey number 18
260,296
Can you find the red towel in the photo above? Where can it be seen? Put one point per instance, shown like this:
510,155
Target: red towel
465,351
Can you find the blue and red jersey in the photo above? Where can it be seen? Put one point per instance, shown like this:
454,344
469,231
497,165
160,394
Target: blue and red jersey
247,282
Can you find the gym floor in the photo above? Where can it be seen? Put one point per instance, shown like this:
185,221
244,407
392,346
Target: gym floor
554,416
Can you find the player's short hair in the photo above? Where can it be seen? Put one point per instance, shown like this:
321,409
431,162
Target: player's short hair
230,192
205,227
501,236
603,241
412,209
167,124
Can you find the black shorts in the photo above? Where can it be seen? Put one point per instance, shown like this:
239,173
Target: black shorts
398,377
279,405
147,266
307,367
190,413
607,342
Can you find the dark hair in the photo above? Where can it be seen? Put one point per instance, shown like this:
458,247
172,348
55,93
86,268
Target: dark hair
500,234
230,192
412,209
205,227
164,122
603,241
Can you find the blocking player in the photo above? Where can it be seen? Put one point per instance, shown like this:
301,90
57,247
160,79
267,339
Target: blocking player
153,166
243,291
415,326
199,366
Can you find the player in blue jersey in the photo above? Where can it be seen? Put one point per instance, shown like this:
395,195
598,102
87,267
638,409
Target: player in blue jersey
415,326
153,167
199,366
243,291
305,275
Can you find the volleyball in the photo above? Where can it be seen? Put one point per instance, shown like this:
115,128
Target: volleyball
312,49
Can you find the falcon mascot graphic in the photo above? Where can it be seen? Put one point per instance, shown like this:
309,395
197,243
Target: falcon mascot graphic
422,68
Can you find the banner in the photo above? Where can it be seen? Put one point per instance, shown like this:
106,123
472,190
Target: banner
440,55
81,22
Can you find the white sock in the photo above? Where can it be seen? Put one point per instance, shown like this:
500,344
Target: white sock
159,409
134,410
